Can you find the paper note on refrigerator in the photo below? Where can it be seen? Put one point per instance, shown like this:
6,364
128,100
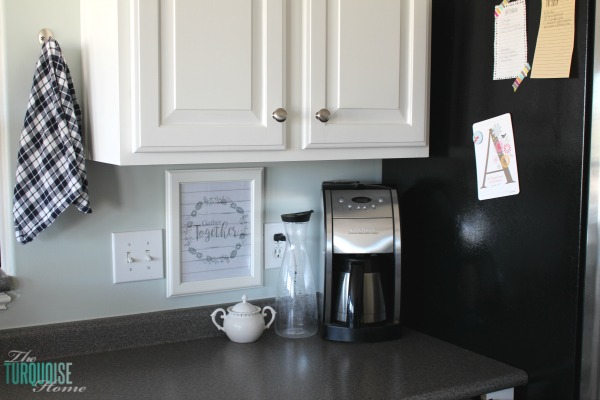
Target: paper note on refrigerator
496,158
554,48
510,40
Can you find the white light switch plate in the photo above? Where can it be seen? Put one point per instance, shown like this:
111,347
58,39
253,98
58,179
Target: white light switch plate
137,256
273,251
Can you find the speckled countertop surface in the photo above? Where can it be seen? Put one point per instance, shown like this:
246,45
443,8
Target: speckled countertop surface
414,367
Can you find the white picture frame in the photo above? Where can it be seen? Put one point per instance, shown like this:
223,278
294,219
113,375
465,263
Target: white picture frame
214,230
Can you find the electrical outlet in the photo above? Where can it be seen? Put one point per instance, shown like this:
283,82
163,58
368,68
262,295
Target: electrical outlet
274,249
137,256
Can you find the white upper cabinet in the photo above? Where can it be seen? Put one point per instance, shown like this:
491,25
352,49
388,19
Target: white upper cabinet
210,75
222,81
368,73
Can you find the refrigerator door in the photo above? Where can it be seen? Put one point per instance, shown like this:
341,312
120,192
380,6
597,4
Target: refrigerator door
502,277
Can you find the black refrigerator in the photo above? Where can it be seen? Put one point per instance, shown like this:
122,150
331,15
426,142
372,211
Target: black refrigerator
502,277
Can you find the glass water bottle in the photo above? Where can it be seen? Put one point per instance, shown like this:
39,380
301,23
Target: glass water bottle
296,300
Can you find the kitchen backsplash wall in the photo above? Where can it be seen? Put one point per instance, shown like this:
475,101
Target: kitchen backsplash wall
65,274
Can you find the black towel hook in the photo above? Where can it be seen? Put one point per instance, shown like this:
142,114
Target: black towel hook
44,35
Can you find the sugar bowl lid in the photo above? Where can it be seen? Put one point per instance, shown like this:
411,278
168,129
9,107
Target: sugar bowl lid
244,307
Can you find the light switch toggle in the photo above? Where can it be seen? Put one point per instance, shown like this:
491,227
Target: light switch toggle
137,256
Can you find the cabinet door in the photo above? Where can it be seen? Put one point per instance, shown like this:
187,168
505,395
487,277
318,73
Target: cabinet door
209,75
367,64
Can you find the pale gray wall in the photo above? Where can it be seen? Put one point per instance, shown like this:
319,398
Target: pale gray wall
66,274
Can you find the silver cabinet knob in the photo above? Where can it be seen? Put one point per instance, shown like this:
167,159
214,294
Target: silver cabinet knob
323,115
280,115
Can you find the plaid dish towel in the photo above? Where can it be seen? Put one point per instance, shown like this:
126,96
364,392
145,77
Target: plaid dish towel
51,165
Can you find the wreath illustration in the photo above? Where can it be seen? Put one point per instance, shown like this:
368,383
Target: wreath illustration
227,255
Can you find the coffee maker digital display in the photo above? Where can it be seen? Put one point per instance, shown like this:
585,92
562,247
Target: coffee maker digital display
362,262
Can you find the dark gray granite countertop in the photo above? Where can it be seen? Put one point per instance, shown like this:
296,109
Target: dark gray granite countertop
414,367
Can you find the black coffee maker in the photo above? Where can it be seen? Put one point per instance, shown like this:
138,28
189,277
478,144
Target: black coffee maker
362,262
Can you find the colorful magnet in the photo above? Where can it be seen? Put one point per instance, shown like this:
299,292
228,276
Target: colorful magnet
477,137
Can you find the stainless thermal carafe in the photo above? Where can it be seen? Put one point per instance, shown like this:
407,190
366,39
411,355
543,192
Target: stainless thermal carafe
360,294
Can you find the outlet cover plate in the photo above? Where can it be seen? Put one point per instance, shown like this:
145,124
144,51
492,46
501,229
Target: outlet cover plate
273,251
137,245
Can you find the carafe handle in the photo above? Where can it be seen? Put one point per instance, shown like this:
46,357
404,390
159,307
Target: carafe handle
214,314
272,315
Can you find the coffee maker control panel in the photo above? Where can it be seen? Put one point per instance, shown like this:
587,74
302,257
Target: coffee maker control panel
361,204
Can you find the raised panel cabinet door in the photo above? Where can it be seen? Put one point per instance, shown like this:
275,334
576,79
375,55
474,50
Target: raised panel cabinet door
209,75
366,73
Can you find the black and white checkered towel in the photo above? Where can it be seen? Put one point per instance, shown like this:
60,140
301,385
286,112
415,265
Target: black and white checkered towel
51,165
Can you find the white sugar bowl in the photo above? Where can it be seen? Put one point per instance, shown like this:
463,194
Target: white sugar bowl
243,322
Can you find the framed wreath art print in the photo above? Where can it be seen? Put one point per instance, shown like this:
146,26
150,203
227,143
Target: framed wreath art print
214,226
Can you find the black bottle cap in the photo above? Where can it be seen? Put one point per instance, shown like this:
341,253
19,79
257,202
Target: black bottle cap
303,216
